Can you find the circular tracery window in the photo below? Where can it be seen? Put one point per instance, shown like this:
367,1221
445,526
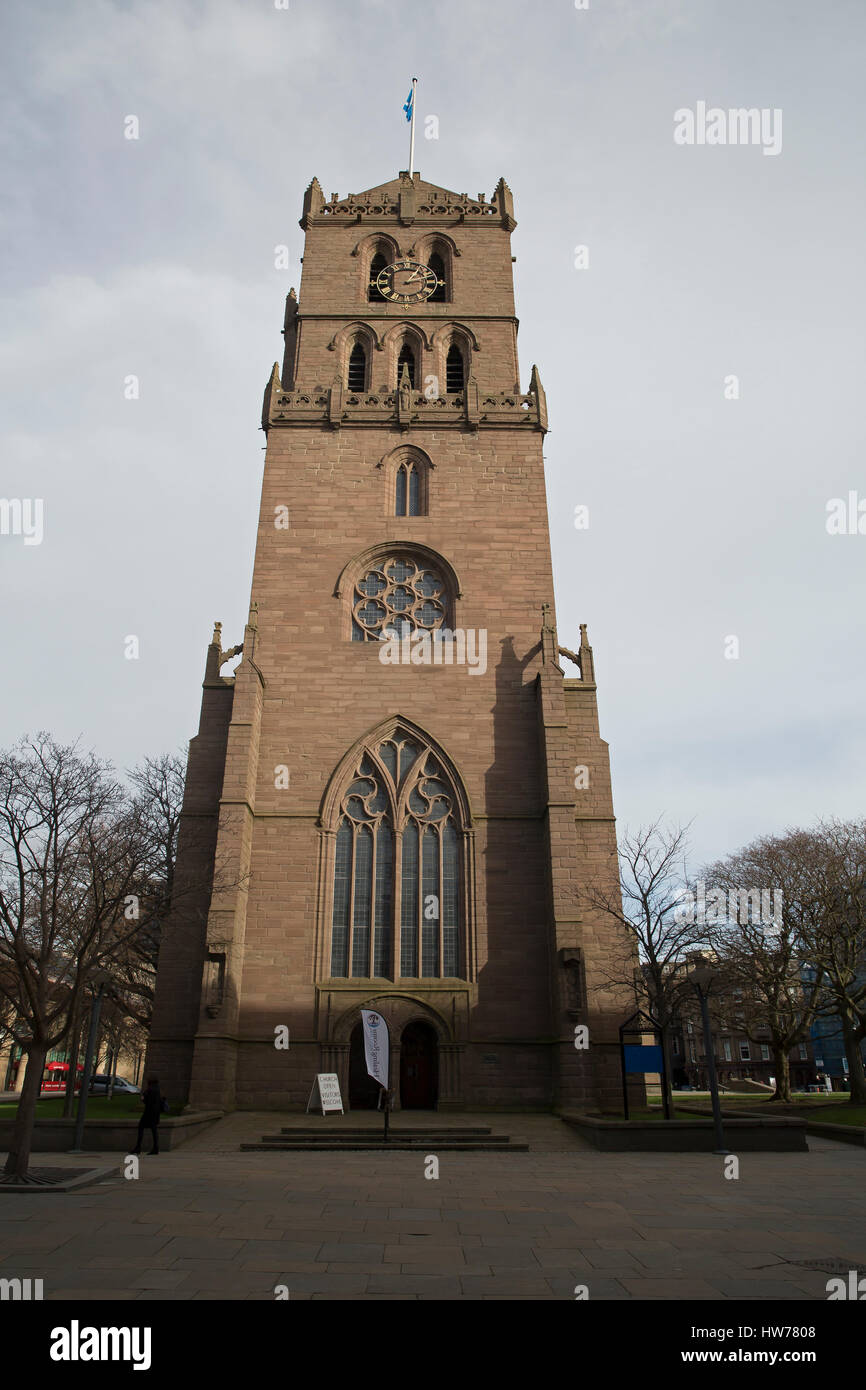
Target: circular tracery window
396,596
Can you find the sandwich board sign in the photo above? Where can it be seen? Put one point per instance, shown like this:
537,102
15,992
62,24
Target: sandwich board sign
327,1088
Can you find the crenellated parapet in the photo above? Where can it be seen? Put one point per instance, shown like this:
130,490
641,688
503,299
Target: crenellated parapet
406,201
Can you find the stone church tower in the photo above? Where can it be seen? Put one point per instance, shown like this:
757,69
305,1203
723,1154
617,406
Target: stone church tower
394,800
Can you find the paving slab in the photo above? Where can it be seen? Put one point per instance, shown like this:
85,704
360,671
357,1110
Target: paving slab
276,1250
95,1295
203,1247
413,1284
667,1288
347,1250
279,1270
553,1261
158,1279
563,1286
761,1289
406,1257
508,1283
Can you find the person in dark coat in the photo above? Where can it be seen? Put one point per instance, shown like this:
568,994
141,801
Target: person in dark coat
153,1104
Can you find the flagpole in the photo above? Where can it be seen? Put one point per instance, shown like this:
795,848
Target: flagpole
412,131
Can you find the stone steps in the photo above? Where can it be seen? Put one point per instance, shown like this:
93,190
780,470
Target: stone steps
451,1139
379,1145
403,1131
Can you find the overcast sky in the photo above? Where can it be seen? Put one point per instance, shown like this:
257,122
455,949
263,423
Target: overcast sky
707,515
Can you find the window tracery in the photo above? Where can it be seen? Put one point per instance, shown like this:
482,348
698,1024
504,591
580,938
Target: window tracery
397,860
397,594
407,482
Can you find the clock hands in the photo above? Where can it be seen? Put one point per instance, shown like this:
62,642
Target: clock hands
395,282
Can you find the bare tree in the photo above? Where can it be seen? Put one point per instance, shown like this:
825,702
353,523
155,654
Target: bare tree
807,960
159,784
658,936
76,882
131,974
765,913
836,941
7,1018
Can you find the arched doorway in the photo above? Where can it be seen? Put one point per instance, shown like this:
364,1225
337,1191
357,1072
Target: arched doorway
363,1090
419,1059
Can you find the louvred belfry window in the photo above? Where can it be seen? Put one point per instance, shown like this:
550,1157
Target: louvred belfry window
356,379
397,861
378,263
454,369
437,265
397,595
406,359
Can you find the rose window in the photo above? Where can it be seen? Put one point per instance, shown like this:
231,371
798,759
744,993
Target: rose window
397,596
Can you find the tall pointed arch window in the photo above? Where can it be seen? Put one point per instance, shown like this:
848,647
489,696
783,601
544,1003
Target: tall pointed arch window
356,377
455,371
408,489
437,265
398,877
406,358
374,294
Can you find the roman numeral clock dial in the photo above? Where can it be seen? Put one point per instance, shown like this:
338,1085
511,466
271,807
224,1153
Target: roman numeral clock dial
407,282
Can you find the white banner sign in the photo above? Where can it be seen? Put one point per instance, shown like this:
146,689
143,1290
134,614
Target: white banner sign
376,1045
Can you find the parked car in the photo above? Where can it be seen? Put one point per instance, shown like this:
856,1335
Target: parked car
54,1081
122,1087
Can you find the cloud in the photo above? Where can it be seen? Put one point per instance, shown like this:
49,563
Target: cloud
155,259
622,23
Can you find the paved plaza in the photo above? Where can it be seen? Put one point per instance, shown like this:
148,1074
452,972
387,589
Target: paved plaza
209,1222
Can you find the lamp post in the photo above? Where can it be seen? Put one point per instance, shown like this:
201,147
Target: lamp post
98,978
701,979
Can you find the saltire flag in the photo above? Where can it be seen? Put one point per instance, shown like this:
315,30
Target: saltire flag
409,104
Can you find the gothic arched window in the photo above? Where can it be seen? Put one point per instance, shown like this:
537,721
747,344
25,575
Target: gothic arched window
397,861
407,357
437,265
455,375
374,294
408,490
356,377
395,595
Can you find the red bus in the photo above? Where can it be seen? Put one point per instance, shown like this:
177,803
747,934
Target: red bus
55,1074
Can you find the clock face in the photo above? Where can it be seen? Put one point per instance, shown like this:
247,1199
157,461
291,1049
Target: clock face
406,282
